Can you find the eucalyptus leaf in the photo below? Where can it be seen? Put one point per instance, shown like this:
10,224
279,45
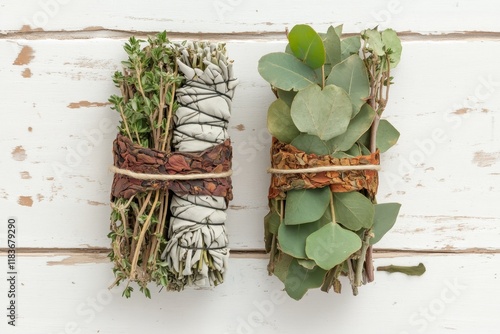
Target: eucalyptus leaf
387,135
354,151
351,75
338,29
281,266
324,113
384,219
331,245
311,144
341,155
300,279
271,224
306,205
364,149
272,221
307,45
407,270
280,123
286,95
292,238
331,42
349,46
392,46
286,72
357,127
308,264
374,41
353,210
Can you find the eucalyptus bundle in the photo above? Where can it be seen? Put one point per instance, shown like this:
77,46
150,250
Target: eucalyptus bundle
172,165
327,138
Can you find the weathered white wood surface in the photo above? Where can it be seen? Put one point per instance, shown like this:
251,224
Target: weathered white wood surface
229,16
67,294
445,169
56,61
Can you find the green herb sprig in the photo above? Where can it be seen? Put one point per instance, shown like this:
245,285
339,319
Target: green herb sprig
146,105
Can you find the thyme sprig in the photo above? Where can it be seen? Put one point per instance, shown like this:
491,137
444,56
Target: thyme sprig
146,105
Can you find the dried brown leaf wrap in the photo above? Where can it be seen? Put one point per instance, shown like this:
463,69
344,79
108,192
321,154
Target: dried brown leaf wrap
136,158
286,156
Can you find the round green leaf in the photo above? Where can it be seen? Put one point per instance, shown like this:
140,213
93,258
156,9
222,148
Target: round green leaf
311,144
307,45
351,75
331,245
281,265
308,264
349,46
286,95
374,41
331,41
384,219
324,113
299,279
306,205
292,238
357,127
387,135
286,72
271,224
280,123
392,46
353,210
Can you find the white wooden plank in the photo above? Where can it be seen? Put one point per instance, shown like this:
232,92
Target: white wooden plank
227,16
457,294
448,184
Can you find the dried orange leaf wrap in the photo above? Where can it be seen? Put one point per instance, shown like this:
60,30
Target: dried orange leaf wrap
286,156
136,158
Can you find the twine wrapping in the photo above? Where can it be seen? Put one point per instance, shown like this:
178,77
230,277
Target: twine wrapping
145,161
287,157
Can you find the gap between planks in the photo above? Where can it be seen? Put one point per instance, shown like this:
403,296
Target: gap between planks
90,33
253,253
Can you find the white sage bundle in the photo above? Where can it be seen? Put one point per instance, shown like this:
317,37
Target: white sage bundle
197,251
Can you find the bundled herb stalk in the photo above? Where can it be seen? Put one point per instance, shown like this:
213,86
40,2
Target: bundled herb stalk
172,161
146,106
328,134
197,251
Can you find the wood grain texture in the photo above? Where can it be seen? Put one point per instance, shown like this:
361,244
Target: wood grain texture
259,16
59,128
64,294
56,130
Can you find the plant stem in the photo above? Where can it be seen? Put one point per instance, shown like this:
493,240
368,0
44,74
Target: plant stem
270,266
369,270
332,208
137,224
124,119
161,226
138,72
350,275
169,115
141,237
361,261
323,76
